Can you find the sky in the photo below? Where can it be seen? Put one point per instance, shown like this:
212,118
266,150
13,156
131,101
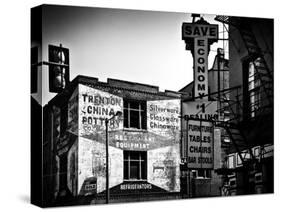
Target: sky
132,45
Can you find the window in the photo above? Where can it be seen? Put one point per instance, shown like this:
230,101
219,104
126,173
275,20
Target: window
245,155
254,89
231,161
134,114
204,173
135,165
201,173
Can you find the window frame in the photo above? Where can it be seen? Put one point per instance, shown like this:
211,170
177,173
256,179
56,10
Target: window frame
252,88
142,116
207,173
142,165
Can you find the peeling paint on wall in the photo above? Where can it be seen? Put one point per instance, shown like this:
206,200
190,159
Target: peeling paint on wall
91,163
163,117
163,168
160,141
72,163
72,124
94,107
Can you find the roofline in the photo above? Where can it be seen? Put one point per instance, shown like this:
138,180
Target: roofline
81,79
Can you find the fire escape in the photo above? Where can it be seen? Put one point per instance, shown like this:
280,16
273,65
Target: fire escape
239,119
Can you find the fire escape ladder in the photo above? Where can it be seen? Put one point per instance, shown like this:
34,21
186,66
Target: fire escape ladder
240,143
238,140
234,125
262,71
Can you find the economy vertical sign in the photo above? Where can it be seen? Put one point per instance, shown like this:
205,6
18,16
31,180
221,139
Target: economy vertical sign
201,67
200,37
198,142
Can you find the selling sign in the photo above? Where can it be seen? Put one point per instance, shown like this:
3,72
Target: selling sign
201,109
200,145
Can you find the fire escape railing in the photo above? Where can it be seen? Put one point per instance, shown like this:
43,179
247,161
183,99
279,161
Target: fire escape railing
232,102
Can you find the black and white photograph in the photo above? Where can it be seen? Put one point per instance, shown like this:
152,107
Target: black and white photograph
137,105
140,105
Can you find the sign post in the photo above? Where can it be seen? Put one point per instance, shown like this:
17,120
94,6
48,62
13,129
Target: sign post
198,141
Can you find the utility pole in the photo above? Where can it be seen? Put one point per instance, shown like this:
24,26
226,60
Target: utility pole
107,157
118,113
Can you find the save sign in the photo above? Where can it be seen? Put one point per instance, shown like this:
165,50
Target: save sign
202,36
193,30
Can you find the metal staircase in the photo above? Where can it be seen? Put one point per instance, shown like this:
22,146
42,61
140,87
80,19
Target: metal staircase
232,123
234,128
263,73
233,101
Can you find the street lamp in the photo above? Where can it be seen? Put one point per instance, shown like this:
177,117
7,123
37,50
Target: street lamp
118,114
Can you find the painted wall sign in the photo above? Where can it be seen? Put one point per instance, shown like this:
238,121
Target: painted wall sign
163,161
136,186
163,117
201,36
91,163
140,187
160,141
163,168
94,107
89,187
139,141
200,145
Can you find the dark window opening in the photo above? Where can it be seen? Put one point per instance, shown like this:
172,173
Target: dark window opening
134,114
204,173
135,165
232,183
252,88
64,118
